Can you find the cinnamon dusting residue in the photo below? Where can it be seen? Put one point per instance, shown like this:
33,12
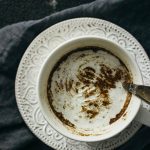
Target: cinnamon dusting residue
91,83
112,120
91,108
103,83
60,115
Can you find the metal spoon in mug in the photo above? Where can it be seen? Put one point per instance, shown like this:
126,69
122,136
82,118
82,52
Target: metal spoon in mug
141,91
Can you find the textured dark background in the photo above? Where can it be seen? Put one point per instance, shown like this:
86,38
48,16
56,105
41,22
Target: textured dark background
12,11
132,15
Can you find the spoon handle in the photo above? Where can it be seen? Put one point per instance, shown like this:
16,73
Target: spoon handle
139,90
143,92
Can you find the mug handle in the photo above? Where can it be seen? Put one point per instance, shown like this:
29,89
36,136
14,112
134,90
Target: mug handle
143,115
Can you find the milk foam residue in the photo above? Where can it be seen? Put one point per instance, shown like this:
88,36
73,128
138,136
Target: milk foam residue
85,90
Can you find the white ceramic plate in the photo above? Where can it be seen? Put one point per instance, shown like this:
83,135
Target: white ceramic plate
36,54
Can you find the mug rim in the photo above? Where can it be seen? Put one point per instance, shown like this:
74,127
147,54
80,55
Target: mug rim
78,138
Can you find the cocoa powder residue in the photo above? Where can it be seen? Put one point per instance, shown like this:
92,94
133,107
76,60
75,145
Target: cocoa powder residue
101,83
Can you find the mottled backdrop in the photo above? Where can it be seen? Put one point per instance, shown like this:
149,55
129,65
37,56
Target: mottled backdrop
12,11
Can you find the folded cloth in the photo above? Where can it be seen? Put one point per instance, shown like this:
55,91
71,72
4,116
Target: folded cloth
133,15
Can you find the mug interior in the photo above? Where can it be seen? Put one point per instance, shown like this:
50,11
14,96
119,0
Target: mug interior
67,47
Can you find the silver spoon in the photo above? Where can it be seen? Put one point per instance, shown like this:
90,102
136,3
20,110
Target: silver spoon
139,90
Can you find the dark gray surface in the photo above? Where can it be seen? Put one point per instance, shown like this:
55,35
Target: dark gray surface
133,15
12,11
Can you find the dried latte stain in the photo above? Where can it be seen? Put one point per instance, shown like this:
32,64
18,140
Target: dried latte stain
103,82
92,84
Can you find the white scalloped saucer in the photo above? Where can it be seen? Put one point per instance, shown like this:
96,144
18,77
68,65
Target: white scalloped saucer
36,54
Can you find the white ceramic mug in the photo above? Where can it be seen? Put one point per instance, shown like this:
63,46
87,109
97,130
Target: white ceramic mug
110,130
